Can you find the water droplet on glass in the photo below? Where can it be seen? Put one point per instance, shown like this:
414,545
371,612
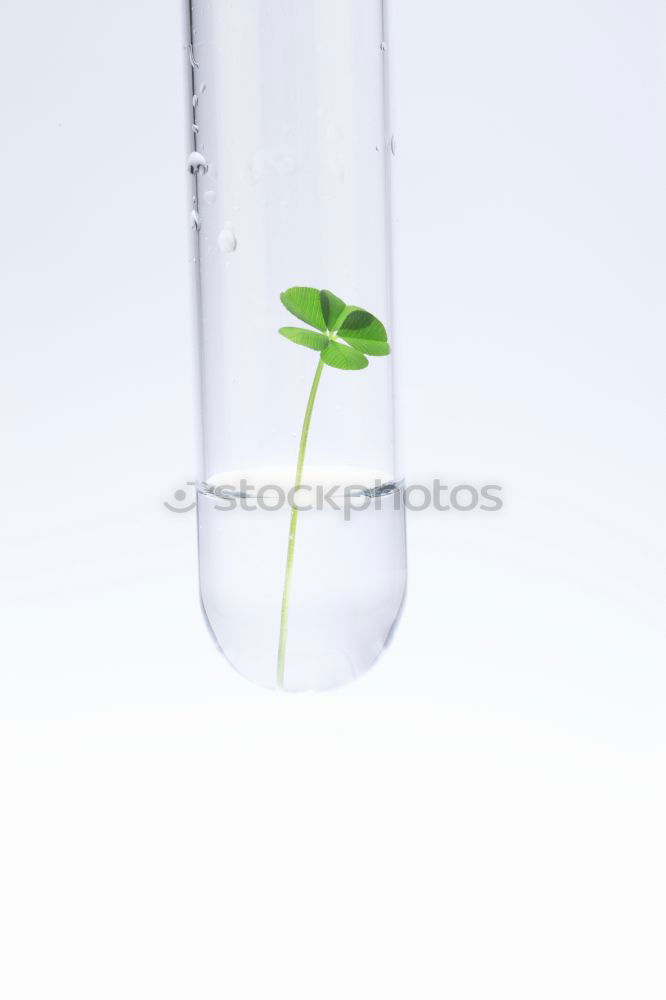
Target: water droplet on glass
197,163
254,169
227,241
280,159
210,197
203,88
195,101
394,144
376,149
195,128
195,221
194,64
383,46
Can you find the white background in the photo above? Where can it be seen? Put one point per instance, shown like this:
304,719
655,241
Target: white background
482,816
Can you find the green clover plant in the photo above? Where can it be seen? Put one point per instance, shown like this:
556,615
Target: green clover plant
344,337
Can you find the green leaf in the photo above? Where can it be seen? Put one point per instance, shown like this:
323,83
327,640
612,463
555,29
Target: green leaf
305,303
306,338
332,308
362,324
343,357
342,317
374,348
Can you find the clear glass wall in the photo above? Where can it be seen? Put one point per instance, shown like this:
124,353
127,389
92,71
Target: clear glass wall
290,162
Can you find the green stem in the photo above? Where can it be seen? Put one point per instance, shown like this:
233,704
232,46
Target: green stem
289,571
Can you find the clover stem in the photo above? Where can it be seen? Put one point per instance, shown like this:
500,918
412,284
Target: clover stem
293,523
